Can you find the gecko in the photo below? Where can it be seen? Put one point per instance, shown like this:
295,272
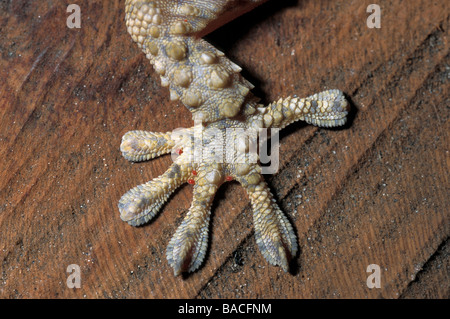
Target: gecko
220,147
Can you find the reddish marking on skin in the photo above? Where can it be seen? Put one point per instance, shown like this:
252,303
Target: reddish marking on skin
229,178
194,173
191,181
180,151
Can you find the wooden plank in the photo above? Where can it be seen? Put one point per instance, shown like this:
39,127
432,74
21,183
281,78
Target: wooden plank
375,192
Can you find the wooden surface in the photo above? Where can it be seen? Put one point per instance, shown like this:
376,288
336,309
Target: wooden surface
374,192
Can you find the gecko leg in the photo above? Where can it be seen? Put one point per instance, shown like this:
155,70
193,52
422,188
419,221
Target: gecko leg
141,203
274,234
324,109
187,248
140,146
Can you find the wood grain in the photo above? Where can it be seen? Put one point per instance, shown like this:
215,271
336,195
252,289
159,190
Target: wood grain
374,192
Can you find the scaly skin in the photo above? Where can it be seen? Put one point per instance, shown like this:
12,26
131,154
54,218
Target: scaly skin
219,147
